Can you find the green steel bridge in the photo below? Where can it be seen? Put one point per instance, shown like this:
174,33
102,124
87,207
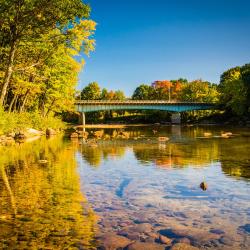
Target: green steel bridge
85,106
102,105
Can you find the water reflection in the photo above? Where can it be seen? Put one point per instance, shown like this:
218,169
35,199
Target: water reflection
137,187
187,147
41,206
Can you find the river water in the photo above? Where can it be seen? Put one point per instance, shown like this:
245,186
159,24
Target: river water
129,190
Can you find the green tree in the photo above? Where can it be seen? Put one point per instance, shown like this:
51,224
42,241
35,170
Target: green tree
143,92
23,21
234,90
91,92
199,91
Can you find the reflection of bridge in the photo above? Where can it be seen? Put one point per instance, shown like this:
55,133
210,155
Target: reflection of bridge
84,106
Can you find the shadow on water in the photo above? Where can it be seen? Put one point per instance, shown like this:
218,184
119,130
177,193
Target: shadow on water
119,192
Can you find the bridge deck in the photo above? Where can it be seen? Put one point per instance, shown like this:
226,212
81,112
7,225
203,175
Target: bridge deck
137,102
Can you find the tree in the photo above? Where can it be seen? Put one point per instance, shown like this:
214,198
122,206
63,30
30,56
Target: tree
234,88
245,74
91,92
23,21
143,92
199,91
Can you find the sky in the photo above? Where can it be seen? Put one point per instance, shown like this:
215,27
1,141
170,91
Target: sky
140,41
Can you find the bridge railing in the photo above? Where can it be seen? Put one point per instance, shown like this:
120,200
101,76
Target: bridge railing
137,102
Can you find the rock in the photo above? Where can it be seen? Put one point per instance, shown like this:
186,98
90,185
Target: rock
226,241
145,246
216,231
163,139
12,134
207,134
107,137
8,141
99,133
142,228
20,136
74,135
43,161
112,241
183,240
153,235
83,134
203,186
164,240
30,132
50,132
125,135
183,246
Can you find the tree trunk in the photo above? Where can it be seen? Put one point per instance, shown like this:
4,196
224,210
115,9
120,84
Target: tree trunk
15,104
24,101
12,102
50,107
8,72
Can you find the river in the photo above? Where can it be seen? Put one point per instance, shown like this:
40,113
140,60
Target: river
133,192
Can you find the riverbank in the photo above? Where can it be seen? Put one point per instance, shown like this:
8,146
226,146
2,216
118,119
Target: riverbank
22,126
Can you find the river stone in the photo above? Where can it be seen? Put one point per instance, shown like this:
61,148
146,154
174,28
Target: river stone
183,240
183,246
217,231
153,235
145,246
164,240
226,241
112,241
142,228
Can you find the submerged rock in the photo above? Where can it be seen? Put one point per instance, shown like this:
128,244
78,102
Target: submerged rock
145,246
164,240
112,241
183,246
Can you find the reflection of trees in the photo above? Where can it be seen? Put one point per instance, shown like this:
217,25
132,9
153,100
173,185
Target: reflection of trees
45,197
175,155
95,155
235,160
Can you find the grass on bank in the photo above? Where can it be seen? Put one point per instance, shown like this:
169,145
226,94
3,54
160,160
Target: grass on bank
15,122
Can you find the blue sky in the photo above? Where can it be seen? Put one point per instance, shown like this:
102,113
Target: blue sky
139,41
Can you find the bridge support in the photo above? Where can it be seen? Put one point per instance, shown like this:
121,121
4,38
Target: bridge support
176,118
82,120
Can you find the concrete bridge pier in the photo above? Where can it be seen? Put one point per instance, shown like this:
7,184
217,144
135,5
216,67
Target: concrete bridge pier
176,118
82,120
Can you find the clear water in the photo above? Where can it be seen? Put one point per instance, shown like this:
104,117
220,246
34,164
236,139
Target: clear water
135,188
